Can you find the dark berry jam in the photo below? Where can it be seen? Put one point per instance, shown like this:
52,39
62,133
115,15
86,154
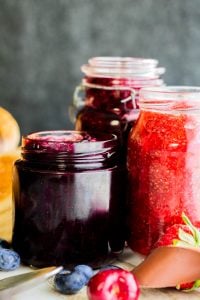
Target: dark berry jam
68,199
110,88
163,164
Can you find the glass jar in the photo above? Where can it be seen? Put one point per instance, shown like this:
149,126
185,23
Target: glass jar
163,164
110,93
68,198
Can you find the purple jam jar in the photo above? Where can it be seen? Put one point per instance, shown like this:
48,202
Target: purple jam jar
68,196
110,93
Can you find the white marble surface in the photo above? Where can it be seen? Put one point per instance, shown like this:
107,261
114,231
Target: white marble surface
45,291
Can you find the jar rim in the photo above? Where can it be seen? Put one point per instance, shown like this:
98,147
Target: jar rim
69,141
116,66
170,92
138,82
174,97
115,71
114,60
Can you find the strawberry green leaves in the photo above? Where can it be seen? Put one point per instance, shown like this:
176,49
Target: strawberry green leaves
188,238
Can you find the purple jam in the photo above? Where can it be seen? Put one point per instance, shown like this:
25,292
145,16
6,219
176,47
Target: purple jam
69,206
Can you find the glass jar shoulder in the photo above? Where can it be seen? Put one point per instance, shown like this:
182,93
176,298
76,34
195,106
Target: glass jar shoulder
165,130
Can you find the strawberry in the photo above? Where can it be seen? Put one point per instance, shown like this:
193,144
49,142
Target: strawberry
182,235
186,286
190,286
185,235
171,235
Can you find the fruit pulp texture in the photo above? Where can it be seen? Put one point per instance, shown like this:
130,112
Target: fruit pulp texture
164,171
64,218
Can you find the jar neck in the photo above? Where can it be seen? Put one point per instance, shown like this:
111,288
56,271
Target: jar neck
132,83
62,162
170,98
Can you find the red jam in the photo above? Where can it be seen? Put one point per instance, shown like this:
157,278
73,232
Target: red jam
163,164
68,196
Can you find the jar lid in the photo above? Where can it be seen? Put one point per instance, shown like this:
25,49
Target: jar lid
122,66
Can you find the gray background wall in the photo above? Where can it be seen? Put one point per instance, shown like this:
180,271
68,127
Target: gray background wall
44,42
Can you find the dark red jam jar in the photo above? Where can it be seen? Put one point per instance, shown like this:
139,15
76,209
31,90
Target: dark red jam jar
163,164
68,198
110,93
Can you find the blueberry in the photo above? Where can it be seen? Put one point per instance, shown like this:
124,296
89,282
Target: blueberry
109,267
9,260
69,282
4,244
85,270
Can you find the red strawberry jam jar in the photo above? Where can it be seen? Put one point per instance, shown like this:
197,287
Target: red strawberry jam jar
110,93
68,198
163,164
